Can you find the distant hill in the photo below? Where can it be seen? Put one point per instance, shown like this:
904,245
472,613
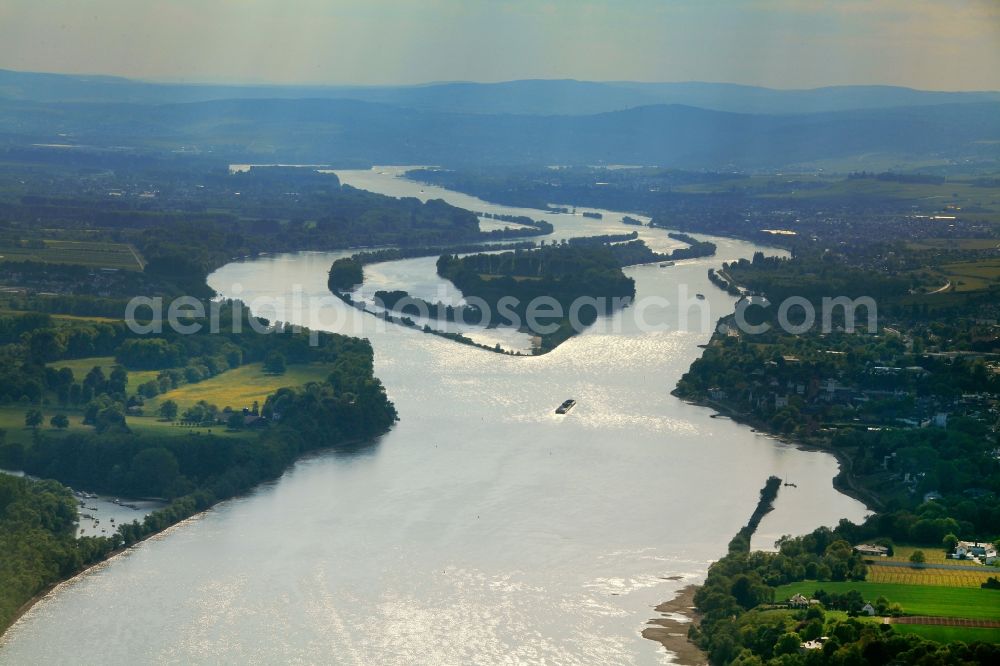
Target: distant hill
538,97
324,130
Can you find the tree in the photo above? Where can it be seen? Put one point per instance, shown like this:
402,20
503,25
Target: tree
110,418
153,470
95,379
75,391
274,363
235,421
949,542
59,421
787,644
168,410
46,345
118,381
65,376
33,418
918,557
882,606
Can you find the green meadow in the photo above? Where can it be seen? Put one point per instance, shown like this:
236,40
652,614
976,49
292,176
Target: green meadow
934,600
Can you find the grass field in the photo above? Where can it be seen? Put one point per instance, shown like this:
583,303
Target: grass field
972,275
81,253
62,317
842,616
943,577
955,244
79,318
948,634
933,600
239,388
932,555
81,366
236,388
12,422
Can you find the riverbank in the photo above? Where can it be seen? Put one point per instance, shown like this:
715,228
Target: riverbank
844,481
52,587
114,554
672,633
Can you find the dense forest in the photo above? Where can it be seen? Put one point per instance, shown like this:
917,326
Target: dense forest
564,273
37,539
347,272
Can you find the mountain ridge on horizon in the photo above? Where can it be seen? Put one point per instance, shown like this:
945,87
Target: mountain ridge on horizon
517,97
358,131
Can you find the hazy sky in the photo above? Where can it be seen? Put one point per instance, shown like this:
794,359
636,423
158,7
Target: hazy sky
945,45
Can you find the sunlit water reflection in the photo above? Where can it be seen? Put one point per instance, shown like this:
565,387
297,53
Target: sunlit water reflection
483,528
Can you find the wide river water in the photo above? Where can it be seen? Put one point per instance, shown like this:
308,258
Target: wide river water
483,528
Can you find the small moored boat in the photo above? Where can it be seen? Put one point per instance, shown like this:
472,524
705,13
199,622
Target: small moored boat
566,406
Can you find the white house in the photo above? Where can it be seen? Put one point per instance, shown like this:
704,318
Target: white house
986,553
868,609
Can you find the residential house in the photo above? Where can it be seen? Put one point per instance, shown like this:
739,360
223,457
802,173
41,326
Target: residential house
798,601
871,550
985,553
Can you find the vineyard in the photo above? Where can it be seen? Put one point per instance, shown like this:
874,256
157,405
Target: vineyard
942,577
81,253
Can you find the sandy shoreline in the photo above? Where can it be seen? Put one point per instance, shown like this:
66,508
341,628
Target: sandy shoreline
672,634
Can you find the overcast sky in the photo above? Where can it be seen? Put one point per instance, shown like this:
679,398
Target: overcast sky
942,45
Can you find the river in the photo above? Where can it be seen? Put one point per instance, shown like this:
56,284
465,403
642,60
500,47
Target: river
483,528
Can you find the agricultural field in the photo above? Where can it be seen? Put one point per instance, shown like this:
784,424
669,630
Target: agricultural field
961,244
952,197
943,577
972,275
81,366
81,253
948,634
75,319
933,600
239,387
64,318
931,555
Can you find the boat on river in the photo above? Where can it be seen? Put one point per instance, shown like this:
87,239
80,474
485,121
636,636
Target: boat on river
566,406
